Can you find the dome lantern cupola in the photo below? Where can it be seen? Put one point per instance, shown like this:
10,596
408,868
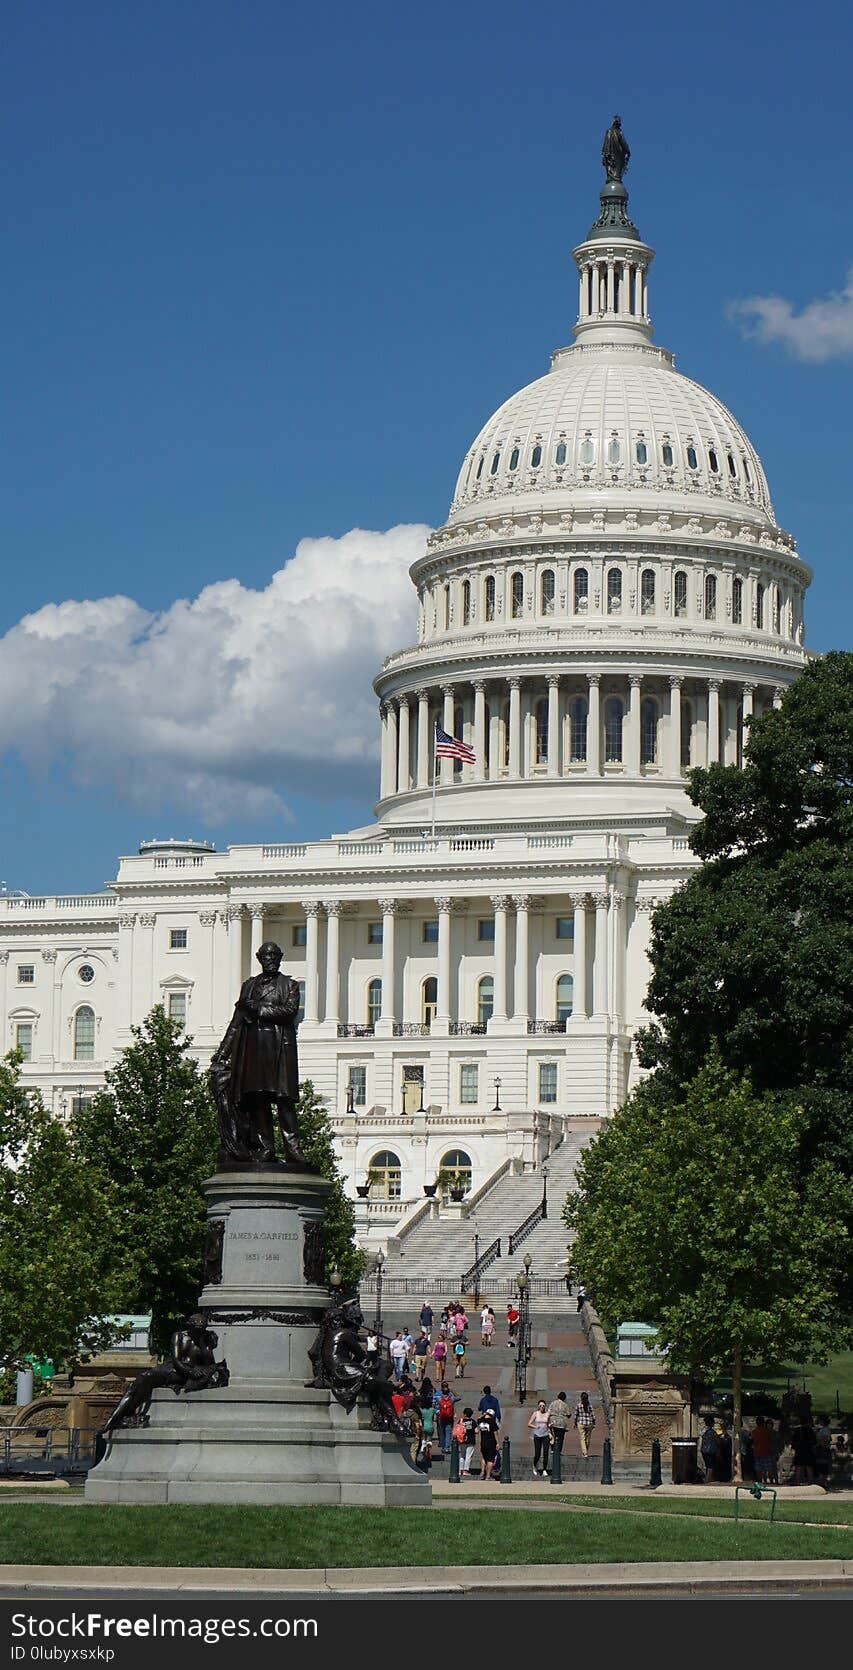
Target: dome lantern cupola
613,261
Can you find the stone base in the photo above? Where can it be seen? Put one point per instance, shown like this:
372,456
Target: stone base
235,1444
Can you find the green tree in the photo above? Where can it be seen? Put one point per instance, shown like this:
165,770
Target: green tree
152,1132
60,1276
315,1136
755,952
691,1214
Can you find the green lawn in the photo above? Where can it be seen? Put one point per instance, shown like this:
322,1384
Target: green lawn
822,1380
34,1533
807,1512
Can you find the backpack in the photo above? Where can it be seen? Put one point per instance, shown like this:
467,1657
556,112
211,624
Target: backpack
445,1408
460,1431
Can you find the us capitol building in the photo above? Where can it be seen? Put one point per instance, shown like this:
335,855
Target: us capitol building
607,604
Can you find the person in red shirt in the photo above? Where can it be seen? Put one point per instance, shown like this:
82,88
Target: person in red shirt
762,1448
513,1318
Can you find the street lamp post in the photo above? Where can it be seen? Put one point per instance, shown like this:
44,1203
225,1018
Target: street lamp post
377,1321
545,1170
476,1266
497,1106
521,1351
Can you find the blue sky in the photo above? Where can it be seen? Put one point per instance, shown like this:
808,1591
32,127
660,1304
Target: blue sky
267,270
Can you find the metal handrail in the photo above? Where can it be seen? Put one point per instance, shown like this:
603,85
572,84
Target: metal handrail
527,1227
471,1277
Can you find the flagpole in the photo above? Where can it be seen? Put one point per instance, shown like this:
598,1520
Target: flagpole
434,776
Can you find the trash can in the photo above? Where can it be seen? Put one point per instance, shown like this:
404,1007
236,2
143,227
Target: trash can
684,1468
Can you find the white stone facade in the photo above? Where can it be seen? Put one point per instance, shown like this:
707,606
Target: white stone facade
608,603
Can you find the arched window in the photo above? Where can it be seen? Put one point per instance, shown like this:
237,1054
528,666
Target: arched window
581,591
466,602
517,593
614,713
713,461
458,1163
648,731
759,606
647,591
485,999
480,466
513,458
374,1002
641,452
542,731
692,460
614,591
560,454
489,610
732,466
680,593
536,456
666,455
84,1033
493,467
777,610
547,589
586,450
747,475
686,734
577,729
710,596
386,1176
737,602
614,450
429,1000
446,608
565,998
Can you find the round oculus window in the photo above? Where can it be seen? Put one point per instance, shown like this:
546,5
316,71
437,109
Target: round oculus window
86,973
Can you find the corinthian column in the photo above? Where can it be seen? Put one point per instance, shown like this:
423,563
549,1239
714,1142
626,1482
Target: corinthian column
675,727
635,682
256,913
599,970
388,1014
579,993
312,909
333,978
403,745
521,1009
442,1010
593,727
713,720
480,729
423,739
447,725
499,905
554,726
515,727
235,948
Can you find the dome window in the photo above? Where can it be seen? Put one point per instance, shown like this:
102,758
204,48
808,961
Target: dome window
737,602
692,460
710,596
480,467
680,594
489,609
560,454
536,456
493,468
614,450
447,608
581,585
642,453
713,461
759,606
747,476
614,591
777,610
614,714
586,451
732,466
647,591
666,455
542,731
547,591
648,731
466,602
517,594
513,458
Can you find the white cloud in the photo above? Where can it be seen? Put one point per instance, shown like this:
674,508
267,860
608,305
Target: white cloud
231,701
822,331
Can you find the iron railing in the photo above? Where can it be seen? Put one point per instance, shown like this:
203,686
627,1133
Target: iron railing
56,1449
526,1228
467,1029
350,1029
411,1029
471,1278
444,1287
545,1026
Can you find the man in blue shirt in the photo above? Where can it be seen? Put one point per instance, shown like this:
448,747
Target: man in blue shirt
489,1401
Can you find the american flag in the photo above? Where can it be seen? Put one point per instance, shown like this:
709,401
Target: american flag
451,748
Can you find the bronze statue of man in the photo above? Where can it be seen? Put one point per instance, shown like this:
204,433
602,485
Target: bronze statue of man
615,151
255,1068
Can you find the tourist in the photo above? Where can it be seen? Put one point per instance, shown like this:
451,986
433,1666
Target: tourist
421,1353
398,1355
461,1320
823,1452
439,1354
426,1318
426,1410
724,1451
803,1441
459,1358
581,1295
775,1451
762,1450
584,1421
487,1428
558,1422
445,1402
444,1319
709,1450
513,1317
489,1401
488,1327
484,1323
468,1442
540,1427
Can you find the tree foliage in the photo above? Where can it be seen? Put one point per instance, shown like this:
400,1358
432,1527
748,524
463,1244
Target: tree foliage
61,1259
152,1132
316,1139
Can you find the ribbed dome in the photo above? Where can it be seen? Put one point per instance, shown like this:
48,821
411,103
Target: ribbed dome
613,418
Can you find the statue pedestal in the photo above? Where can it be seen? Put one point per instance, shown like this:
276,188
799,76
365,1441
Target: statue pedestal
267,1436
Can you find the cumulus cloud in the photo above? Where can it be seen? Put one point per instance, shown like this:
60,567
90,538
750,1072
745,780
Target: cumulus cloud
822,331
227,702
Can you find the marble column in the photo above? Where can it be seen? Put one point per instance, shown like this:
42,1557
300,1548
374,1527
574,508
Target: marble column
4,970
391,786
635,682
312,909
593,726
442,1011
599,969
423,740
480,729
43,1046
499,905
579,992
235,948
619,953
207,919
675,727
446,776
495,753
713,720
748,703
383,750
333,973
515,727
403,745
125,955
521,1004
778,693
554,726
257,913
388,1011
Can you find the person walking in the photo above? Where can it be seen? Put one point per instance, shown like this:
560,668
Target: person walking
426,1410
487,1427
584,1421
558,1422
581,1295
539,1426
446,1406
513,1317
489,1328
398,1355
467,1442
421,1354
489,1401
484,1322
762,1450
426,1318
439,1355
459,1358
709,1449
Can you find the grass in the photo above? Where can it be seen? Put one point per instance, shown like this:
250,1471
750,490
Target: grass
822,1380
806,1512
33,1533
